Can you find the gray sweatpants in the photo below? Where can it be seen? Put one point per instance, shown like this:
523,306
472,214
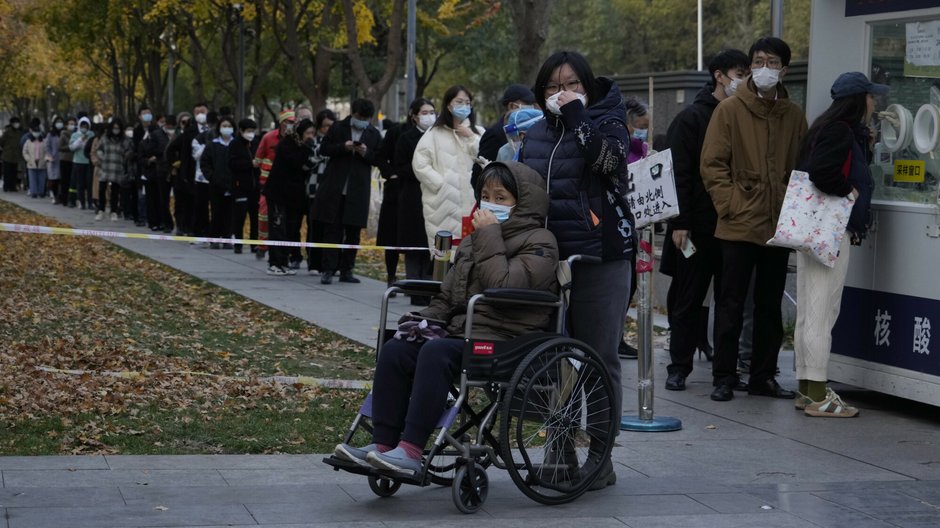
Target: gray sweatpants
598,306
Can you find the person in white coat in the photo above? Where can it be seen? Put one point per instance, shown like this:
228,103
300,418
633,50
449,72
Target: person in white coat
443,162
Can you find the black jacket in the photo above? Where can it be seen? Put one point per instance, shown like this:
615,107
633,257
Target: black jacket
685,137
410,209
245,175
583,155
214,163
288,175
387,233
154,146
837,159
179,155
346,170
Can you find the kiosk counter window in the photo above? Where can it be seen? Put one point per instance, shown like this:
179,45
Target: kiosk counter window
906,56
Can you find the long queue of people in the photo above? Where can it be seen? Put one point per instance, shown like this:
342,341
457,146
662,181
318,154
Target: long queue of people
733,150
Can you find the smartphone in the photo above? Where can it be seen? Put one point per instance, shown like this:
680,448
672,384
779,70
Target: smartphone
689,248
357,143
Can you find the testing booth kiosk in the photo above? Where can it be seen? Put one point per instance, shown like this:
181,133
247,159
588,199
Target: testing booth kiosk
887,338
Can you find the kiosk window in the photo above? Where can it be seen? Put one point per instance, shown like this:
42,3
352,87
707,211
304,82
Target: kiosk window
906,56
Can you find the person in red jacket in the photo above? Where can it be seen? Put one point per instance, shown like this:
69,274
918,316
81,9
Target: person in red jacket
264,159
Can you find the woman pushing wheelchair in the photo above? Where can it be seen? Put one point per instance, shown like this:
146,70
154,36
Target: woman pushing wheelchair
509,248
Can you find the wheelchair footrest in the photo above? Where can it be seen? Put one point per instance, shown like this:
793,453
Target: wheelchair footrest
352,467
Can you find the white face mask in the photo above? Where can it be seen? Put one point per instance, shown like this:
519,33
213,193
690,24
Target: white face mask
765,78
426,121
201,118
733,87
501,212
226,131
129,133
249,136
552,102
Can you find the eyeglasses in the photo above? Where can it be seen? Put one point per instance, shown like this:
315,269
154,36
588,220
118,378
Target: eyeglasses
570,86
461,102
772,63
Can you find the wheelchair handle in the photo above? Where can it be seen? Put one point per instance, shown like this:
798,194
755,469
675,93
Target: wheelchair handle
587,259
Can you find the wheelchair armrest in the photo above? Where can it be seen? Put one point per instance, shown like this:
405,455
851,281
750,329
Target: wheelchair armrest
520,294
425,287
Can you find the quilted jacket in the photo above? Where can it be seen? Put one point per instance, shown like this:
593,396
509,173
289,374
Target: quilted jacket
442,163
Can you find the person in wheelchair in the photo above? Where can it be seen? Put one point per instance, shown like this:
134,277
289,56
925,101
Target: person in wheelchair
509,248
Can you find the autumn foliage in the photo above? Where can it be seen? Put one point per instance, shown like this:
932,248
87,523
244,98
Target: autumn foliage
169,363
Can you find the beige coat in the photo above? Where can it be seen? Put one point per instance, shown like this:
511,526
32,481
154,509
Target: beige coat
442,163
750,148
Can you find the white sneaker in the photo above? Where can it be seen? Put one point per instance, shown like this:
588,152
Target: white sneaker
114,217
290,271
276,270
831,407
98,216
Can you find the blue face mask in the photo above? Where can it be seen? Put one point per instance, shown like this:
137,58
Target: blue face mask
641,133
501,212
361,124
462,112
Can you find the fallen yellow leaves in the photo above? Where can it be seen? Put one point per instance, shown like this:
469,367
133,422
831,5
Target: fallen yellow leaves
83,304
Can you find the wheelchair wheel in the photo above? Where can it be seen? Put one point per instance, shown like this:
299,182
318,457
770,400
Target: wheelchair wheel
470,493
556,412
383,487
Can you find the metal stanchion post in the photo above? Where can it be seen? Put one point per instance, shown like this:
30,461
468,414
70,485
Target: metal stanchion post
645,421
441,254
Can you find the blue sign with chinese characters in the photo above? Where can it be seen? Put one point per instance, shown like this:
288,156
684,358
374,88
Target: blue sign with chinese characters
889,329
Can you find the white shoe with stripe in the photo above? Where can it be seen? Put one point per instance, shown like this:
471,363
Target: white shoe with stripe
831,407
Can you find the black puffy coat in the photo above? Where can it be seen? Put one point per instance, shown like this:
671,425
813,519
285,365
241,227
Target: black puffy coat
583,156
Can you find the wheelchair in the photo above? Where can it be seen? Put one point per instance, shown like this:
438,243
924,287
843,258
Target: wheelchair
537,406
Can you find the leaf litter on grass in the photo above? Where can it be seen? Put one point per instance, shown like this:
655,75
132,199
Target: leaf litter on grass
80,303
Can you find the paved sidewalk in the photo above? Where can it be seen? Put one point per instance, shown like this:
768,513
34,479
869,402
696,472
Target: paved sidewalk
750,462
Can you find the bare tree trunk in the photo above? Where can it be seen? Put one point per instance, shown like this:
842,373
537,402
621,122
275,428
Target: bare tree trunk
375,91
292,17
323,59
116,81
261,67
530,20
